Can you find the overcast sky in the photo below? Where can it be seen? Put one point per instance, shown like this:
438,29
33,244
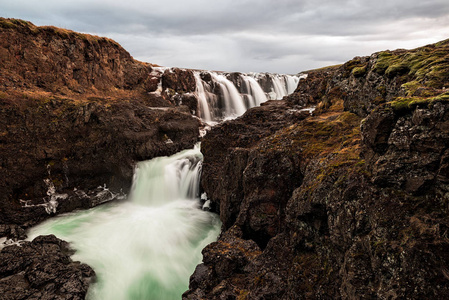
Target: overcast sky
284,36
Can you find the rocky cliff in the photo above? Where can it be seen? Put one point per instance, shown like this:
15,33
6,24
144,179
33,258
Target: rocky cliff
350,202
76,112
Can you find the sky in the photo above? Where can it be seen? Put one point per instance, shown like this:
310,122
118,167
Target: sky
280,36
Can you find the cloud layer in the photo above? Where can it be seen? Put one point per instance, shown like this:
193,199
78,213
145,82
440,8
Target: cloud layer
285,36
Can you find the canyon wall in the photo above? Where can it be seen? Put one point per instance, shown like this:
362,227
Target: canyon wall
350,202
77,111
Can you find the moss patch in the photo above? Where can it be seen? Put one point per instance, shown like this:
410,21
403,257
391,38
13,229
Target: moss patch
428,65
359,71
409,103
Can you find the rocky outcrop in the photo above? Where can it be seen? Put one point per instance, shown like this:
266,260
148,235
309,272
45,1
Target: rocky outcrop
67,62
76,113
42,269
349,203
61,144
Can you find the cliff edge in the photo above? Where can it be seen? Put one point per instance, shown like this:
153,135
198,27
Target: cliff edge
76,113
349,202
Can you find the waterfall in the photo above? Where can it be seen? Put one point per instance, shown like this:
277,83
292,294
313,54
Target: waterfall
202,99
233,101
148,246
292,83
228,95
254,91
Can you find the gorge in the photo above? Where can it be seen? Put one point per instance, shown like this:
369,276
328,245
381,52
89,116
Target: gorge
338,190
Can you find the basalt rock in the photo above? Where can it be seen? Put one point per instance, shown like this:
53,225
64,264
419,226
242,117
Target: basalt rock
349,203
66,62
179,80
65,144
76,113
42,269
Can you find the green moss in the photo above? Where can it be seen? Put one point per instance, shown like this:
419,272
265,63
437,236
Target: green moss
397,69
427,65
355,66
384,60
411,87
408,103
359,71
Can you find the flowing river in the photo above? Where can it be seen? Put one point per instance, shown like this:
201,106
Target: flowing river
147,246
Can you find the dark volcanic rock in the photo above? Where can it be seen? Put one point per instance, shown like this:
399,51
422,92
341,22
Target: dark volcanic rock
79,145
339,207
75,114
62,61
42,269
227,150
179,80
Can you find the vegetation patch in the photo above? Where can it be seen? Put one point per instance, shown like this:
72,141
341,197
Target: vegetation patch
427,65
359,71
409,103
356,66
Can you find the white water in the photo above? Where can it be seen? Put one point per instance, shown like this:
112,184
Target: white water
255,91
233,101
220,99
204,111
148,246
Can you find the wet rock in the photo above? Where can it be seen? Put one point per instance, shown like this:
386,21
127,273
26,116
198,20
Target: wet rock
76,145
42,269
179,80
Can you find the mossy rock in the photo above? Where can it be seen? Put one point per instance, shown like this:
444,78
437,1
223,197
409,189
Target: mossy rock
411,87
410,103
355,66
397,70
383,62
428,65
359,71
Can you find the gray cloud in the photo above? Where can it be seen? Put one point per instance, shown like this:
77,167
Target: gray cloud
247,35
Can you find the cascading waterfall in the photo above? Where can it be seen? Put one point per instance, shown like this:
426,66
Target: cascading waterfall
204,110
224,96
254,91
292,83
148,246
234,105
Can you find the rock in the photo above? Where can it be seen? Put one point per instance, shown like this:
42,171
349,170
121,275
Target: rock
338,206
76,112
179,80
79,145
62,61
42,269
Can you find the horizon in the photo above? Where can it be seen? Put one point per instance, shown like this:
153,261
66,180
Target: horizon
264,36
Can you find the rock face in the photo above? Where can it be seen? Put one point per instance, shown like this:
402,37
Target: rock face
66,144
66,62
77,111
42,269
349,203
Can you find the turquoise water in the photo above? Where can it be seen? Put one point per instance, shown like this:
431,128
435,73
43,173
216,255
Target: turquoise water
147,246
